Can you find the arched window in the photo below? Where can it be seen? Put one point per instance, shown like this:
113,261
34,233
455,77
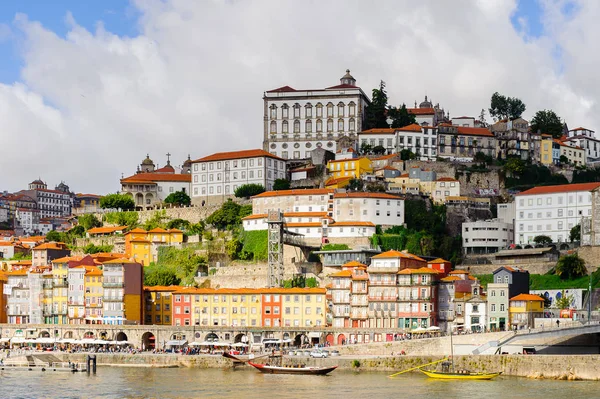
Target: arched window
352,109
341,110
273,127
296,110
319,110
329,110
284,127
319,125
308,110
284,111
330,125
296,125
340,125
308,126
352,125
273,111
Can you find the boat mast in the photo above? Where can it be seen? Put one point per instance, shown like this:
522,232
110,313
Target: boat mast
451,349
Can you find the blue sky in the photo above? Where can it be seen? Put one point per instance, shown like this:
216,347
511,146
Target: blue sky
118,16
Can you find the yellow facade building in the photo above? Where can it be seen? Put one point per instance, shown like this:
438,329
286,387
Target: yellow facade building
93,295
157,304
546,150
142,246
353,167
523,309
60,285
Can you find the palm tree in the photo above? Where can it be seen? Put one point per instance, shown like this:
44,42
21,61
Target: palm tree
570,266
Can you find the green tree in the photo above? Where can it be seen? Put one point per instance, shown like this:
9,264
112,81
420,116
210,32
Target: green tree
233,248
158,219
196,229
515,166
117,201
227,217
575,233
281,184
563,160
53,236
180,224
376,113
379,150
542,239
178,198
569,267
129,218
502,107
355,185
401,117
77,231
407,155
94,249
161,276
565,301
249,190
89,221
365,148
335,247
547,122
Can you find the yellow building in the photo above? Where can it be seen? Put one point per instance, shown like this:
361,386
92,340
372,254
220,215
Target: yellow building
353,167
337,182
546,150
93,295
60,285
142,245
302,307
157,304
524,309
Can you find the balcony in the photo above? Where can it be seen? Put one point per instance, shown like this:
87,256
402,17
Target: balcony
383,298
359,316
60,282
113,284
76,303
115,298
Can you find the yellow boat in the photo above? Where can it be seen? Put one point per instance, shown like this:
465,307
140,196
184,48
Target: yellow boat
459,376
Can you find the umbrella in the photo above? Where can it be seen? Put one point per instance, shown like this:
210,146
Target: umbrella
433,328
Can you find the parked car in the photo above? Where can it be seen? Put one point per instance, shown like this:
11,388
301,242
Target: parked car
335,353
319,353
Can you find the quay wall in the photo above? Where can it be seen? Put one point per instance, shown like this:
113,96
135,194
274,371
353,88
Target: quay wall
561,367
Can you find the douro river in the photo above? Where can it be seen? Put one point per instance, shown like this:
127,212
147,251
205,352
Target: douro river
113,382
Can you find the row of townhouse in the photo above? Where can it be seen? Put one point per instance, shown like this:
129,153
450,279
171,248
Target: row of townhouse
100,289
397,290
235,307
325,214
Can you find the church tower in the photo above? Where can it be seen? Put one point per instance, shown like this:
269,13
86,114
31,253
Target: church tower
147,165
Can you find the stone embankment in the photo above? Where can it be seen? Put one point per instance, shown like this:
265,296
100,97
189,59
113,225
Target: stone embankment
560,367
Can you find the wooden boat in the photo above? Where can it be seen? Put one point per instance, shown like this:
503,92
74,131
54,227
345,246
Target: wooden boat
268,369
274,369
440,375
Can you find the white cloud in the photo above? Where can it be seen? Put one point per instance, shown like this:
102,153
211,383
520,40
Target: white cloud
91,105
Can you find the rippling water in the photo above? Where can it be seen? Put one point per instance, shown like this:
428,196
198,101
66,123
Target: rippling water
244,383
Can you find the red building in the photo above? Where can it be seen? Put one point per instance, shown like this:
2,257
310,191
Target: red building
271,308
182,307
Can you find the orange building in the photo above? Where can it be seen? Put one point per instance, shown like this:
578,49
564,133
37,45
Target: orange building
157,304
3,280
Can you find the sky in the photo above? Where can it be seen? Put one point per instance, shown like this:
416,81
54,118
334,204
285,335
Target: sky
87,89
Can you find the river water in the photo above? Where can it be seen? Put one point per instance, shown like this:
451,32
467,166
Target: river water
113,382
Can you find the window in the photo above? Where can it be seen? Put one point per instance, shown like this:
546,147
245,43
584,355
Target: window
308,126
284,127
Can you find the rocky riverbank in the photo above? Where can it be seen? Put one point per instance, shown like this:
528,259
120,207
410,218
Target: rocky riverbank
561,367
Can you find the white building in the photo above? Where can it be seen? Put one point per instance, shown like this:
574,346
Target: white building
76,295
465,121
443,188
375,208
426,114
486,236
476,311
3,215
586,139
298,121
420,140
50,203
298,200
217,176
28,219
552,211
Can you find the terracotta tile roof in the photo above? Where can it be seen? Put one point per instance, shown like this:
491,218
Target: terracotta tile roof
20,272
342,273
303,169
157,177
174,231
580,128
283,89
422,270
119,261
255,291
458,271
294,192
353,263
474,131
397,254
348,160
303,224
343,86
438,260
421,111
384,130
137,230
51,245
384,157
92,271
450,278
105,230
163,288
410,128
158,230
463,117
360,194
332,180
561,188
66,259
527,297
223,156
165,169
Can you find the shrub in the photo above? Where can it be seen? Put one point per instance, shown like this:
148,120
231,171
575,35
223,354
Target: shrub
356,363
129,218
249,190
117,201
334,247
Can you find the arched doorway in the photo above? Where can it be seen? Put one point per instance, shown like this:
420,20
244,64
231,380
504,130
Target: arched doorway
68,335
300,340
103,335
44,334
329,339
139,199
148,341
241,338
341,340
149,199
211,337
89,335
121,336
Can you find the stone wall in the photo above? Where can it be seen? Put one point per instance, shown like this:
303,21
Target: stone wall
193,214
469,182
591,255
533,268
442,169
